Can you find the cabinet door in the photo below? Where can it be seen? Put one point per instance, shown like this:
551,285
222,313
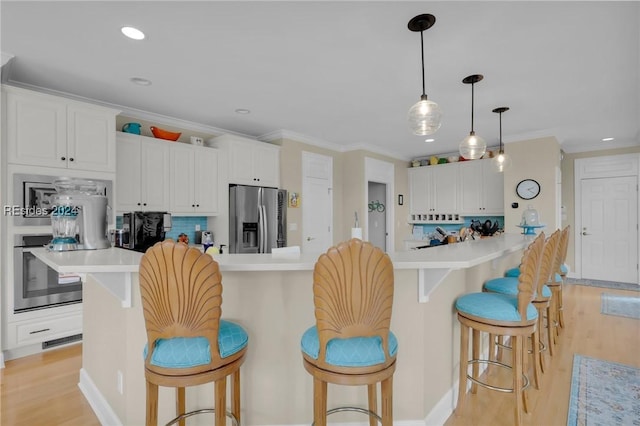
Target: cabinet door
242,164
154,174
470,187
445,188
419,191
206,181
128,173
36,131
266,166
90,139
181,173
492,189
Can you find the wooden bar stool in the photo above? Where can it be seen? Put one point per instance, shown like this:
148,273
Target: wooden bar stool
501,315
556,281
351,343
187,342
541,301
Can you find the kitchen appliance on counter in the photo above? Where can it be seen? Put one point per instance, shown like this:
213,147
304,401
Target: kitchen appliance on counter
36,285
32,196
145,229
78,215
257,219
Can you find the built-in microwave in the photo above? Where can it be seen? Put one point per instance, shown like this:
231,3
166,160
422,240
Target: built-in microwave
32,199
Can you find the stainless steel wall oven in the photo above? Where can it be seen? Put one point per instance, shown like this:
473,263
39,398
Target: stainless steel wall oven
36,285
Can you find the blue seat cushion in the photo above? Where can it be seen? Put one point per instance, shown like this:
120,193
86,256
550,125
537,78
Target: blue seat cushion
557,278
513,272
509,285
351,352
564,269
493,306
185,352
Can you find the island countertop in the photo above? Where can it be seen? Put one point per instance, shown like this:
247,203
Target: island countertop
450,256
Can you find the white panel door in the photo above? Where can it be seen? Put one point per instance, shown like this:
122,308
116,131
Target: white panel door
317,202
609,234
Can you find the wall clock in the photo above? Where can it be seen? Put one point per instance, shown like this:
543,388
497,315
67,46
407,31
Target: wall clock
528,189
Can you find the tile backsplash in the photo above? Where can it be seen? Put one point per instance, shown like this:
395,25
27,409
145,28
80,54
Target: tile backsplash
180,225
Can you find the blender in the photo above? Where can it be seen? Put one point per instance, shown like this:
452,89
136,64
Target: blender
79,212
64,224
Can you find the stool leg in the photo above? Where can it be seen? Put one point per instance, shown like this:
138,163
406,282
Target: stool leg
387,402
560,306
152,404
180,405
500,348
373,403
319,402
517,357
535,356
464,363
541,330
549,328
235,395
492,352
221,402
475,367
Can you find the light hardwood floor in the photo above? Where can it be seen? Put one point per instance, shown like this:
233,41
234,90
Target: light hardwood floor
43,389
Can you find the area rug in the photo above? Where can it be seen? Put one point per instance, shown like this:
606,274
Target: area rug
622,306
603,393
605,284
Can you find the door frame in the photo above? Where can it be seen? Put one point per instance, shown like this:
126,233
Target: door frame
305,156
599,167
381,172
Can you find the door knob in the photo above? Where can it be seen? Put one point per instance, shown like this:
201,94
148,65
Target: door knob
310,238
584,233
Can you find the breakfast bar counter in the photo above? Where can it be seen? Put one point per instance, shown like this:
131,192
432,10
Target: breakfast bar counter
271,297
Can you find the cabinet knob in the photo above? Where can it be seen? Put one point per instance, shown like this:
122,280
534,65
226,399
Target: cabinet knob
63,158
71,159
144,204
197,205
193,205
138,203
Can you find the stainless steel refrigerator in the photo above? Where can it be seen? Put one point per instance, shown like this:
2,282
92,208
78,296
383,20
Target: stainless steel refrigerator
257,219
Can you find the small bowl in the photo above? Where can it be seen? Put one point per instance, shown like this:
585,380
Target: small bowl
164,134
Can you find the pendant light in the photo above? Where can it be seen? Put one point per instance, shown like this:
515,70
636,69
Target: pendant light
472,147
425,116
502,161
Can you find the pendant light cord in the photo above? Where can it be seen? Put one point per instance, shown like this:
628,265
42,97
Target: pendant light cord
472,84
422,53
501,149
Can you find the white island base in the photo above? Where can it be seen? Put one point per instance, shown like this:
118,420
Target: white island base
272,299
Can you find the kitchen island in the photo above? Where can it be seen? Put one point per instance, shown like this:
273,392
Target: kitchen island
271,297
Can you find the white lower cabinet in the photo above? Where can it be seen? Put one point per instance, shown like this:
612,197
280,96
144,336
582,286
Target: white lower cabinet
39,330
194,180
142,173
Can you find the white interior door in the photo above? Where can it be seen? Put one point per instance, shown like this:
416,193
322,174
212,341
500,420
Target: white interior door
609,232
317,202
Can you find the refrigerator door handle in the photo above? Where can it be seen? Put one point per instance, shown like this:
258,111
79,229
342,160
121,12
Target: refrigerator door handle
265,230
260,229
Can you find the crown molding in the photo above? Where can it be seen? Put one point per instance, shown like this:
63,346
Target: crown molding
321,143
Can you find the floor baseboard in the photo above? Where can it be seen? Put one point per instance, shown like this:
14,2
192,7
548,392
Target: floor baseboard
98,403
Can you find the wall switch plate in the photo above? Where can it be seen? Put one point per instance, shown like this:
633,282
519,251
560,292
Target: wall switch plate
197,227
120,383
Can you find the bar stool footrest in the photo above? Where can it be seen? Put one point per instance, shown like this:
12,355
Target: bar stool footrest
356,409
495,388
188,414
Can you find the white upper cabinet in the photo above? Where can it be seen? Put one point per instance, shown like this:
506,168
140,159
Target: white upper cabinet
45,130
194,180
481,189
433,193
142,173
251,162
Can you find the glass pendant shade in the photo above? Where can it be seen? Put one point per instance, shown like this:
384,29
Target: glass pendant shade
472,147
425,117
501,162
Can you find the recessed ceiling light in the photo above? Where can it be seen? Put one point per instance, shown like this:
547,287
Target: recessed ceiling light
429,140
132,33
242,111
140,81
607,139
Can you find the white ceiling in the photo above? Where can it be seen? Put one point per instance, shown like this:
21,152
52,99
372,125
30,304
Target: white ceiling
344,73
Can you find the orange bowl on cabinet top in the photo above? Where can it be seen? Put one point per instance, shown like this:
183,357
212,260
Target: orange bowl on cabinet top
164,134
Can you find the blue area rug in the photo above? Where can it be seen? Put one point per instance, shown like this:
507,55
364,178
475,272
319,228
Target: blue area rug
603,393
605,284
622,306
